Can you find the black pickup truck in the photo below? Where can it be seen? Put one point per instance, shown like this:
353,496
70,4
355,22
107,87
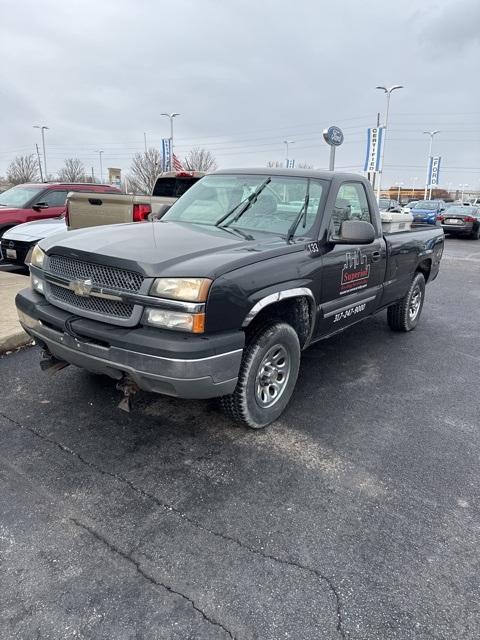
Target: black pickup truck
220,296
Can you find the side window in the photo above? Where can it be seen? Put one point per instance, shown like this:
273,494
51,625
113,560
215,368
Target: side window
351,204
55,198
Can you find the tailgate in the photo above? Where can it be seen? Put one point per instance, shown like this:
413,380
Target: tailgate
94,209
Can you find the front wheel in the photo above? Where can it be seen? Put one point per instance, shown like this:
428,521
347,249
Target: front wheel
405,314
267,377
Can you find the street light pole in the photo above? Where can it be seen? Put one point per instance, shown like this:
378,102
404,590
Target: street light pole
43,127
100,151
400,185
388,91
463,187
431,134
413,190
171,116
286,143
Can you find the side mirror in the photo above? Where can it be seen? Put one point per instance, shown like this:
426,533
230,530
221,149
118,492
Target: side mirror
355,232
38,206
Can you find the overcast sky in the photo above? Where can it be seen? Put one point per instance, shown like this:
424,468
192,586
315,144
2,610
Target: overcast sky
245,75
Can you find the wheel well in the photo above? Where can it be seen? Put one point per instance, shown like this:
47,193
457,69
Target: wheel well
425,267
297,312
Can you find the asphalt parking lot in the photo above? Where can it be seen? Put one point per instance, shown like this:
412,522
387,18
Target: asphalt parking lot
357,515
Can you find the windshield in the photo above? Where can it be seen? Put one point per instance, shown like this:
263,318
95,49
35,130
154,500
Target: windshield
18,196
216,200
427,205
383,204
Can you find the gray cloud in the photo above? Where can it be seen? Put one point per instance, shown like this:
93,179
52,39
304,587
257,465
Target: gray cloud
244,75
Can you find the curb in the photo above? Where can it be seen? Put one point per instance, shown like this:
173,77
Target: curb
14,341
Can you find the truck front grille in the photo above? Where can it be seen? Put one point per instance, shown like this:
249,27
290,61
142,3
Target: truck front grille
94,307
102,306
100,274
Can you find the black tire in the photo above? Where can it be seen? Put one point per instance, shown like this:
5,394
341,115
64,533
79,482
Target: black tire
476,234
253,403
405,314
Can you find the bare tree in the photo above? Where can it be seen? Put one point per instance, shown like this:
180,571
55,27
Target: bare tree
23,169
144,171
275,164
72,171
200,160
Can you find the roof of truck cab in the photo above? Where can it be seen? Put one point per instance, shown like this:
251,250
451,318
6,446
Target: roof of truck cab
295,173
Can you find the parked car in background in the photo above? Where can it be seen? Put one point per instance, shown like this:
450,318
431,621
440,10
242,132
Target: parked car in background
32,203
85,210
37,201
387,204
18,242
461,221
408,207
427,211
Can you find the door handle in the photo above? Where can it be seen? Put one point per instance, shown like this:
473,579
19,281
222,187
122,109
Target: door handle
376,255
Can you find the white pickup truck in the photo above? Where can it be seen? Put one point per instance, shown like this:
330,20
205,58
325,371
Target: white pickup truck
95,209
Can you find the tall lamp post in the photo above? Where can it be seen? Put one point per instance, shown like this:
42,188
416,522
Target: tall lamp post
414,180
286,143
431,134
400,185
388,91
171,116
100,151
43,127
463,187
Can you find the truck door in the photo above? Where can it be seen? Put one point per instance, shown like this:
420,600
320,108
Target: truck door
352,275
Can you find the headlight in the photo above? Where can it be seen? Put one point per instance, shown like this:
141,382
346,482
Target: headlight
188,289
38,256
175,320
38,284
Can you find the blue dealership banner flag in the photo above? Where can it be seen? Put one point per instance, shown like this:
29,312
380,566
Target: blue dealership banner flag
374,149
434,171
166,154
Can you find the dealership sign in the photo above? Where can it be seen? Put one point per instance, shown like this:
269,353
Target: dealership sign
434,171
166,154
374,149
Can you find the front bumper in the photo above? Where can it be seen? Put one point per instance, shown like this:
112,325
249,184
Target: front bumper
159,361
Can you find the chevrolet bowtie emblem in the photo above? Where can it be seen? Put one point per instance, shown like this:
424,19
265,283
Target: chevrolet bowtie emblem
81,287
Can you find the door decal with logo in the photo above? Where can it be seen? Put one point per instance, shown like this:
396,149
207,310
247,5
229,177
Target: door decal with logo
355,272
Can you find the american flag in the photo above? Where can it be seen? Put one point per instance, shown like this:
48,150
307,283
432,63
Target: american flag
177,165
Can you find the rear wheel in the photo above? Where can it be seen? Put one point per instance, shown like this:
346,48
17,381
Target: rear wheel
267,378
476,234
405,314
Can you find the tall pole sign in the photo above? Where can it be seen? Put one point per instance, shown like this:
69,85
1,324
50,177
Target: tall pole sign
333,136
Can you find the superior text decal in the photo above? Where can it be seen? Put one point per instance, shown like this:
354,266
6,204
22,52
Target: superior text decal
355,272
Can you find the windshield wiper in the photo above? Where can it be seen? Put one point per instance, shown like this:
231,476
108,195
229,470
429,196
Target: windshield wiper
303,210
252,198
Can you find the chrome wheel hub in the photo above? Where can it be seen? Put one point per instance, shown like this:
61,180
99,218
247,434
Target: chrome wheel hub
415,302
272,376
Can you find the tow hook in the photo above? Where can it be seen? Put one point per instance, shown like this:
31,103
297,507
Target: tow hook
50,363
129,388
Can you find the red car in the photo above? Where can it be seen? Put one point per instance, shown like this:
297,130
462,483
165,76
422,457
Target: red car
27,202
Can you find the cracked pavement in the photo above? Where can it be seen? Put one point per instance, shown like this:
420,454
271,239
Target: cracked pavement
354,516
